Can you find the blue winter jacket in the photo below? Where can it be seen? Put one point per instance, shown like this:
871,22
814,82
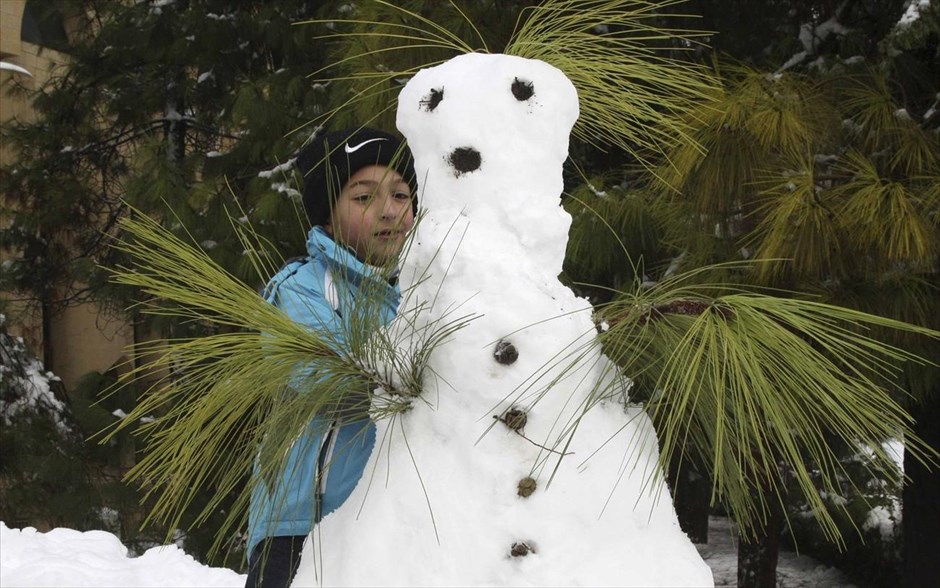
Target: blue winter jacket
327,460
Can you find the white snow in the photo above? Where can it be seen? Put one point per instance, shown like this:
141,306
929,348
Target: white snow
64,557
811,37
281,170
287,190
914,9
34,383
895,449
882,519
793,570
886,519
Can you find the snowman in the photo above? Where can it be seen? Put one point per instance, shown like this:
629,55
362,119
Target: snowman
522,463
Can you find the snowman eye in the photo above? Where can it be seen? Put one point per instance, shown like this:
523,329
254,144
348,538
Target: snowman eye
433,98
522,89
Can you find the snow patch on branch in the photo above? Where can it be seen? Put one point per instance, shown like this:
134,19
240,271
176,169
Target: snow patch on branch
26,385
811,37
278,170
287,190
913,12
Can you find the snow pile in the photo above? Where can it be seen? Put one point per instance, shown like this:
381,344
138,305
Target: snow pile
468,488
64,557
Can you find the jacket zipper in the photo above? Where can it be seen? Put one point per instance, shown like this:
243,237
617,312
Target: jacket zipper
324,457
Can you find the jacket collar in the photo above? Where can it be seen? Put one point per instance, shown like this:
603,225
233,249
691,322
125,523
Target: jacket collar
341,258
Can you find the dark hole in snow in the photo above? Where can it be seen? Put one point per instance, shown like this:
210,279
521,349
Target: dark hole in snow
522,90
505,353
521,549
433,98
526,487
465,160
515,418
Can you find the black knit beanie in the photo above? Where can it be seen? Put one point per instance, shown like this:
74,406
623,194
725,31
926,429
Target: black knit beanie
327,162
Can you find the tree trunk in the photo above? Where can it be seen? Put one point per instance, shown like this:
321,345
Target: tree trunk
45,316
921,501
174,128
758,551
691,490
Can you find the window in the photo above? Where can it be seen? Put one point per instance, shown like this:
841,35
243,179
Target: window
42,25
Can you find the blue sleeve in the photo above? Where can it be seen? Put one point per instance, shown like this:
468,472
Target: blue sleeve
298,292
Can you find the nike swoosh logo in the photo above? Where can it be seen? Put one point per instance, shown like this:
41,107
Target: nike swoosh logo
361,145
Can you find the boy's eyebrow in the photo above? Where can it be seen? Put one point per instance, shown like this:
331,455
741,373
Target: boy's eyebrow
372,183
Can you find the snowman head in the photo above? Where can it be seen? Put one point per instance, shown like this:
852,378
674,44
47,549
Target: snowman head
488,131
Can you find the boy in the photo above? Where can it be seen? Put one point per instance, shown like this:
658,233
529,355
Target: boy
359,195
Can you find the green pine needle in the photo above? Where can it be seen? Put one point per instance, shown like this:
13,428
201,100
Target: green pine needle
614,51
257,382
758,382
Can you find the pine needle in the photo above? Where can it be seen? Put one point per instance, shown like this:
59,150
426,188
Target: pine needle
614,51
757,382
224,409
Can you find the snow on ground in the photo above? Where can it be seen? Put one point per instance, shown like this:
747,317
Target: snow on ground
793,570
66,558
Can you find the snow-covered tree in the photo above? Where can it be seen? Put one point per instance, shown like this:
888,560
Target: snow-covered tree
45,483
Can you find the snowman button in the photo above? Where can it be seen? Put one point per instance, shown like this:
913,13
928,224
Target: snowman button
526,487
505,353
515,418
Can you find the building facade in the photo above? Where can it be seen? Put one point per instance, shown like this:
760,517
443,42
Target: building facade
79,339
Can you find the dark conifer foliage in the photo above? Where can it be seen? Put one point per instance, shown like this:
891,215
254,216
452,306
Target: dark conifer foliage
180,109
823,161
189,111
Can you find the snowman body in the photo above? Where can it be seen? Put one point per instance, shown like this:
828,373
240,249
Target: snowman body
521,464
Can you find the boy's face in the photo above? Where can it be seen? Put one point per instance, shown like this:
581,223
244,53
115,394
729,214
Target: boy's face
373,214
